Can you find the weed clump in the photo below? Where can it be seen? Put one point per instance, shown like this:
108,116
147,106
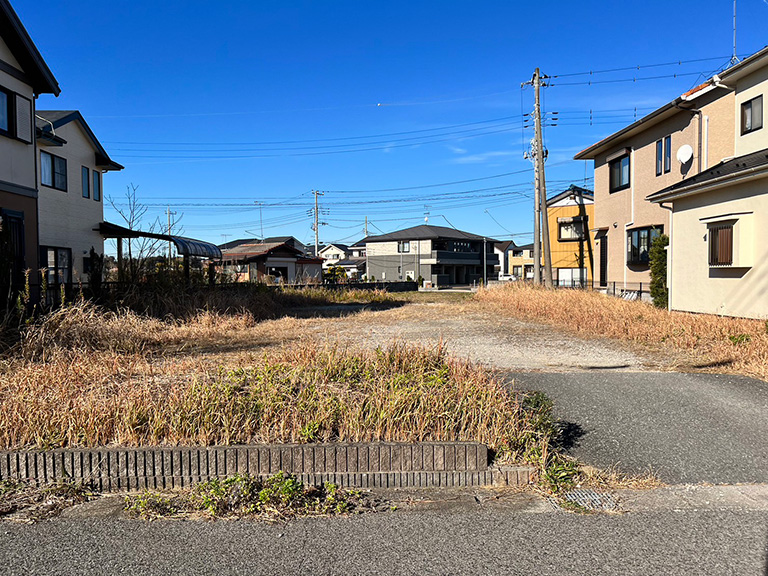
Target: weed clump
34,503
278,497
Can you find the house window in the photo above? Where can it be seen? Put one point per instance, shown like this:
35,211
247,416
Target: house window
570,229
619,173
667,154
721,245
53,171
752,115
659,157
57,265
86,182
403,246
639,243
96,186
5,112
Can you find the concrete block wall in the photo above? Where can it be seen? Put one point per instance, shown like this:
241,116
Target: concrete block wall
376,465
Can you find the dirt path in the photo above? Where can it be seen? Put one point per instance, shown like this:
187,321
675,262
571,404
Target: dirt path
495,341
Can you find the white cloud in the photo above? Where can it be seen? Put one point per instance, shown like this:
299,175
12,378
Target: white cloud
456,149
484,157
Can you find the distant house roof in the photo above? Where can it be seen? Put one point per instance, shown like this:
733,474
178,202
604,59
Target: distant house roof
504,246
572,190
349,262
249,251
233,243
425,232
525,247
726,172
35,71
343,247
46,122
681,103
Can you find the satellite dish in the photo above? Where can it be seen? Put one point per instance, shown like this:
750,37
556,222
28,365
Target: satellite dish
684,154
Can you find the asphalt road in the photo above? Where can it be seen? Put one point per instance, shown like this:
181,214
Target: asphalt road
453,541
687,428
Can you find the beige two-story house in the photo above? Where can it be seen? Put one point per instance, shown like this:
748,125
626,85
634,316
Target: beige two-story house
682,138
23,77
72,163
717,260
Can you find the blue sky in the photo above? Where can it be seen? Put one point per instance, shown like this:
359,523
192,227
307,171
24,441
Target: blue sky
214,106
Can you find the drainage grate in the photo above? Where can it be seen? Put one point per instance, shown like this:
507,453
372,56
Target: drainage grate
588,499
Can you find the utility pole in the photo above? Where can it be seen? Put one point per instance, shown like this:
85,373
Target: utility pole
316,226
541,186
169,213
261,219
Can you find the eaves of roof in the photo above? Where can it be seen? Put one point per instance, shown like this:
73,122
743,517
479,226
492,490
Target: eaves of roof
746,66
24,50
59,118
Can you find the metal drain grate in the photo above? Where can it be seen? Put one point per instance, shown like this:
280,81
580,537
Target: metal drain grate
588,499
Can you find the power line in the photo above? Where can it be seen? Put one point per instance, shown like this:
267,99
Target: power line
323,153
635,79
638,67
307,141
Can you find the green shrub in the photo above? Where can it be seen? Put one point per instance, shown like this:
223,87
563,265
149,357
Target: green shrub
658,261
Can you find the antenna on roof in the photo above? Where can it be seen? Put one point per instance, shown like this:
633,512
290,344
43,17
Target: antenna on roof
734,58
426,214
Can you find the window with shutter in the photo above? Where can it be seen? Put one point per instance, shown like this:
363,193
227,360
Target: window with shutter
721,245
23,119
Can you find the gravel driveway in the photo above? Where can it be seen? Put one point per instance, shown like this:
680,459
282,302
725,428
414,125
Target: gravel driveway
620,410
494,341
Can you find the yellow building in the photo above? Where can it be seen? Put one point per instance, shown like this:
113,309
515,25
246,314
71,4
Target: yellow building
570,215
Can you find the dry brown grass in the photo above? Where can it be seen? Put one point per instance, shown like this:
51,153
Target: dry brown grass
92,378
698,340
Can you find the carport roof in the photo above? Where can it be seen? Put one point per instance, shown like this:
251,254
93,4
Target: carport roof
185,246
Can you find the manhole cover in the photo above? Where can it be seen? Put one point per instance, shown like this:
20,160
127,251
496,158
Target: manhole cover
588,499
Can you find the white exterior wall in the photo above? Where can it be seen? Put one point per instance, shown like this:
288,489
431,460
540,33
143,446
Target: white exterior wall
66,219
756,84
332,255
732,291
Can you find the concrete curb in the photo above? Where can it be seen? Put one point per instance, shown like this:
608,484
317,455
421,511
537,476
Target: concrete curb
376,465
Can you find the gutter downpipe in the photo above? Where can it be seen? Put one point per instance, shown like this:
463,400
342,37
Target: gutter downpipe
670,254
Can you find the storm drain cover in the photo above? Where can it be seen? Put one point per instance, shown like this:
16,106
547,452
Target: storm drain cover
589,499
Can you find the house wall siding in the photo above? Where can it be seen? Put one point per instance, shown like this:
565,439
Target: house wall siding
17,167
571,254
755,84
624,210
694,285
66,218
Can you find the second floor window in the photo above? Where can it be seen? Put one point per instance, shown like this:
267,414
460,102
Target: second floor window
5,112
86,182
663,155
570,229
752,115
96,186
619,173
404,246
53,171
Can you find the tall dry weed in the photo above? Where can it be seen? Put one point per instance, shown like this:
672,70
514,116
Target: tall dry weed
735,344
304,393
